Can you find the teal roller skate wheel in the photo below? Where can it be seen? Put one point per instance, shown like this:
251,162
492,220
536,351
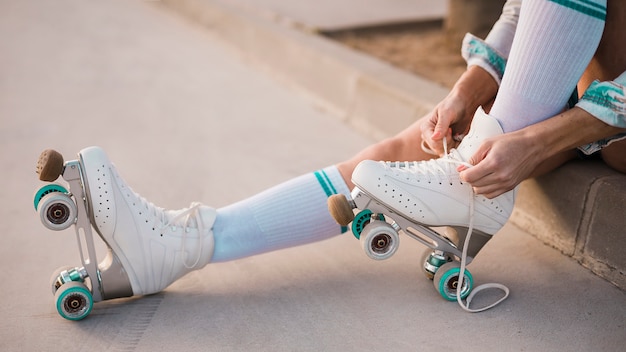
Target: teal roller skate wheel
361,220
47,189
73,301
447,278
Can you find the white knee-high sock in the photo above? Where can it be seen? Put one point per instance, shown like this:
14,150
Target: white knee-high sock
290,214
553,44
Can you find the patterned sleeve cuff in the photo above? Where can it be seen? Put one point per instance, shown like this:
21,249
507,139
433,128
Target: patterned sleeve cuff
606,101
478,53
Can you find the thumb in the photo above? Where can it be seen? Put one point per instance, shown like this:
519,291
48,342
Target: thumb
473,172
441,129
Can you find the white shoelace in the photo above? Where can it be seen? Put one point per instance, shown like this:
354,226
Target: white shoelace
163,222
434,167
191,213
466,305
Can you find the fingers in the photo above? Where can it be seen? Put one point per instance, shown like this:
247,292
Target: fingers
441,130
491,185
436,144
441,122
486,176
433,132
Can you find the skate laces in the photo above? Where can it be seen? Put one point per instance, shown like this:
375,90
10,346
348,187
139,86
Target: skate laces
439,169
189,216
466,305
184,220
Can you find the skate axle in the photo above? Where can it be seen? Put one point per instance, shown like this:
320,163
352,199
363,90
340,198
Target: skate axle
65,276
432,261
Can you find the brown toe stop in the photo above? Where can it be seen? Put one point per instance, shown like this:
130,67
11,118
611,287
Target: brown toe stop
340,209
50,165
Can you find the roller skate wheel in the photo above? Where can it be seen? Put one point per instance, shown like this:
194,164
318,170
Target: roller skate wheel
47,189
340,209
446,281
361,220
379,240
57,211
50,165
73,301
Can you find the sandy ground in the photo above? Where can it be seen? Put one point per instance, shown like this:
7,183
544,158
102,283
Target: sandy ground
418,48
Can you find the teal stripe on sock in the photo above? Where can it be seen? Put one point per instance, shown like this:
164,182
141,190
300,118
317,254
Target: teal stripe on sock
328,188
585,7
328,182
323,183
593,4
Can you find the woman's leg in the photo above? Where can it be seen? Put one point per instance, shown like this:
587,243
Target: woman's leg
614,155
405,146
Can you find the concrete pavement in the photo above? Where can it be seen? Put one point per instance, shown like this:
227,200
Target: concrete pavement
185,117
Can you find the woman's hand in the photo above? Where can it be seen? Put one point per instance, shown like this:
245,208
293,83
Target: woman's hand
449,118
501,163
453,115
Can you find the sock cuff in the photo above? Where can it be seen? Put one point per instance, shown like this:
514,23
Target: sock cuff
331,181
596,9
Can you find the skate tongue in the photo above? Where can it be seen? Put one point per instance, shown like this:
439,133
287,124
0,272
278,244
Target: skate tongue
456,155
463,154
483,126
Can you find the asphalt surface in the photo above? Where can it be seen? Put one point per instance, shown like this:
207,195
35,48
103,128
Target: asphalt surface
185,117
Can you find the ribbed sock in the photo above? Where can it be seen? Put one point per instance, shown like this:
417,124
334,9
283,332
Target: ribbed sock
290,214
554,42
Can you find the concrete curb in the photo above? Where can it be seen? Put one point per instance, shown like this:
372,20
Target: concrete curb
380,100
578,209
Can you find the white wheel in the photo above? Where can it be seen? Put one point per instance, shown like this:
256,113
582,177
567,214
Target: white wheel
57,211
379,240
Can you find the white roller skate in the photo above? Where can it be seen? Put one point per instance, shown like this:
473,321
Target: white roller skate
416,197
148,247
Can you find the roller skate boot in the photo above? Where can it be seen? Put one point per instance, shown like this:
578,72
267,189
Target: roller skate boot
421,199
148,247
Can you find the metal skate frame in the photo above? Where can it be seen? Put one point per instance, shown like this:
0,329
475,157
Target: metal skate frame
110,270
422,233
